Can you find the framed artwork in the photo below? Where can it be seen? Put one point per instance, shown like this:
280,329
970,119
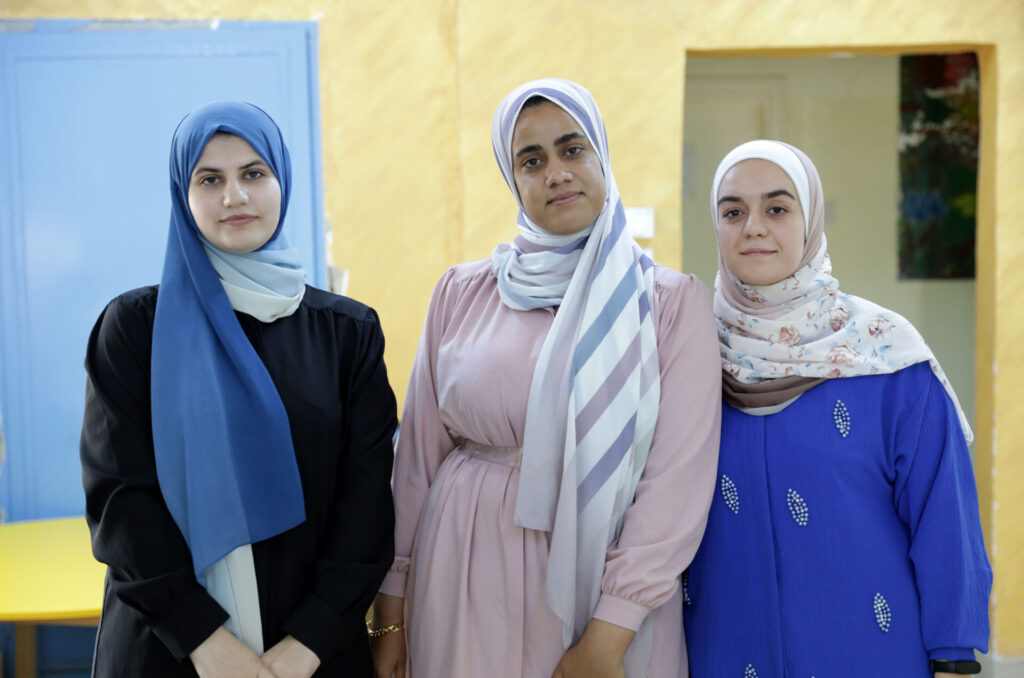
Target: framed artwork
938,150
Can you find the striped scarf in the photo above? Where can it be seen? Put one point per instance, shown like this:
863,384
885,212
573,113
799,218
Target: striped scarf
596,387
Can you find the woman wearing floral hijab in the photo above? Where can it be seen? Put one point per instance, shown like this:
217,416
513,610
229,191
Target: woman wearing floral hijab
560,432
844,538
236,447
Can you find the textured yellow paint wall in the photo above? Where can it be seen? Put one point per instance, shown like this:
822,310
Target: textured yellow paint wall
407,91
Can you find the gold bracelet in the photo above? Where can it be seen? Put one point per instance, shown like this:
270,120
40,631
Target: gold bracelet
384,630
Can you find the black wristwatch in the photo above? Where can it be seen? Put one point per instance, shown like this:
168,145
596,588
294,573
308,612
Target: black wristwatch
962,668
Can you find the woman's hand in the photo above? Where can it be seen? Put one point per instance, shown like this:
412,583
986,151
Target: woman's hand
291,659
389,651
224,656
599,653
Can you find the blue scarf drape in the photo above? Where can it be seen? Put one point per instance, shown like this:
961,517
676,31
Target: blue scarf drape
224,455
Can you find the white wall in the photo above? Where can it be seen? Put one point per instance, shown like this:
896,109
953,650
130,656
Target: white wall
844,113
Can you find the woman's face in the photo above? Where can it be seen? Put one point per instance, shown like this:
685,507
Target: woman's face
557,172
234,197
760,222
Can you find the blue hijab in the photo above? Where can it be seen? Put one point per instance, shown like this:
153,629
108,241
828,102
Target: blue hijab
224,455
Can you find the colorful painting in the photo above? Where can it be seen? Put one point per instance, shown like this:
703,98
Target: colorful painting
938,165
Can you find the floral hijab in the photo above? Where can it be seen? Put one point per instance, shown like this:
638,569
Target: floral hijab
781,339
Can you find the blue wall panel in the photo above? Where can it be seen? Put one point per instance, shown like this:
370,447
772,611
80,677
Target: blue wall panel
87,115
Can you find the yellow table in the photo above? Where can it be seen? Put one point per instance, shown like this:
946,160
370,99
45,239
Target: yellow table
47,576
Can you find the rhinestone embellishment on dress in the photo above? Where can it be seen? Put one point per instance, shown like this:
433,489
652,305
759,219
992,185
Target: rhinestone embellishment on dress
841,416
730,494
749,672
883,615
797,507
686,588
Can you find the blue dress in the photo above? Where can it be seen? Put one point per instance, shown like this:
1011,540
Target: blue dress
843,538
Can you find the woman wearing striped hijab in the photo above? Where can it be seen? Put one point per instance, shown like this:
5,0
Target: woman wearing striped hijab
560,433
844,538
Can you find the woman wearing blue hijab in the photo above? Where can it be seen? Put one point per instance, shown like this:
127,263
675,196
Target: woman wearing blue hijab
236,423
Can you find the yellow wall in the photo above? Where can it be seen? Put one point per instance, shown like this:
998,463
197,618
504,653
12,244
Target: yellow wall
407,91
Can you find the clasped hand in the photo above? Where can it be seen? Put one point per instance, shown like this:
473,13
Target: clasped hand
224,656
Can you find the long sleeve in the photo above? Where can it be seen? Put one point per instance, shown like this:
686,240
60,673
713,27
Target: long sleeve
663,527
935,496
149,564
423,441
359,548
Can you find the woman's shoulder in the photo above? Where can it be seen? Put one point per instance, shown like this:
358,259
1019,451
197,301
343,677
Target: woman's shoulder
680,297
913,384
911,379
468,272
131,307
320,300
904,390
669,280
138,298
468,278
125,324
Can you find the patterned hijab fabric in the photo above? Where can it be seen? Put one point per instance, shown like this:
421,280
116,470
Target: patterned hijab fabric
223,446
803,325
596,387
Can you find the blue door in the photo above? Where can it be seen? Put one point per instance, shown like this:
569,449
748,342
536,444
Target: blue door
86,116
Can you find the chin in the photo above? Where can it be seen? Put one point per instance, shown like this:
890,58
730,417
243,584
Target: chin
765,281
567,227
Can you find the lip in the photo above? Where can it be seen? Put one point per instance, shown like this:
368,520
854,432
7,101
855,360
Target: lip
239,219
563,199
757,252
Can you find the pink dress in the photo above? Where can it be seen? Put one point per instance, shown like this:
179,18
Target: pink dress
473,581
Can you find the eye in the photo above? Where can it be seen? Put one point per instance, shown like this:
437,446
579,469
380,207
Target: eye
777,210
531,162
209,180
731,213
574,150
254,174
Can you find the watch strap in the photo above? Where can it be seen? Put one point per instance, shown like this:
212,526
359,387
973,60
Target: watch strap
960,667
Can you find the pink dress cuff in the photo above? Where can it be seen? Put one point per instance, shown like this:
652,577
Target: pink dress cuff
393,584
620,612
394,580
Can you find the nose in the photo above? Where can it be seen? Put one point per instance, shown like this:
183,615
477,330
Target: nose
557,172
754,226
234,193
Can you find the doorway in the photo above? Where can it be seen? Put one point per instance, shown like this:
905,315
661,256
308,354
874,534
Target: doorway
843,111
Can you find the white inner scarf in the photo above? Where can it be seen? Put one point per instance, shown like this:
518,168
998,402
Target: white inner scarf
804,325
231,581
267,284
596,387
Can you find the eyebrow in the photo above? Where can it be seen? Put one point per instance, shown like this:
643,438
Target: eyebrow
568,137
764,196
253,163
533,148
